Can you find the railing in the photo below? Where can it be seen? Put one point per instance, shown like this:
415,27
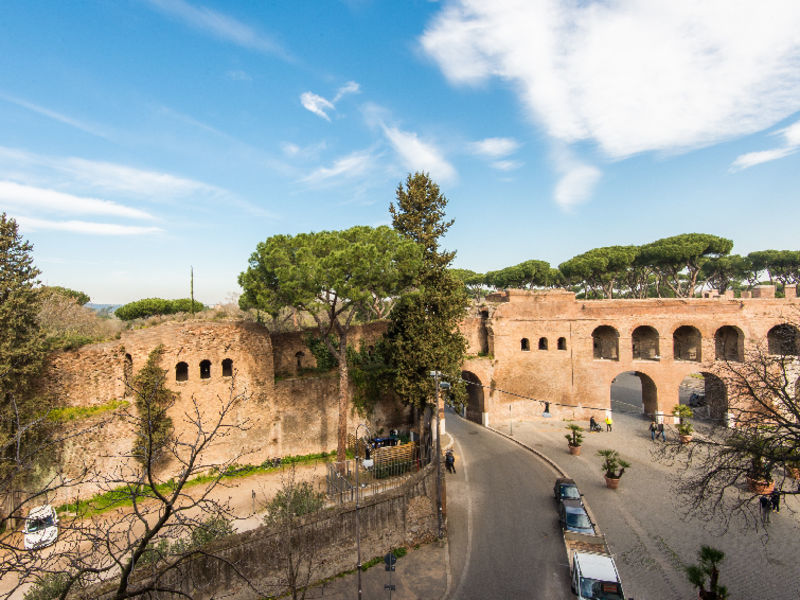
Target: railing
386,469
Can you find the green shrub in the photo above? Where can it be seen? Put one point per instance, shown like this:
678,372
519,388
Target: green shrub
49,587
149,307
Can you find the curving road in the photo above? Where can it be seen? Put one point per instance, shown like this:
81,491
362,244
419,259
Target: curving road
503,531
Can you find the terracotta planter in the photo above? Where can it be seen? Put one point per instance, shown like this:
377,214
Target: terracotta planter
685,439
574,450
612,483
793,472
760,486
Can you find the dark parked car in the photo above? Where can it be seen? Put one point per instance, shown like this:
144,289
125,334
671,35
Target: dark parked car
565,489
573,517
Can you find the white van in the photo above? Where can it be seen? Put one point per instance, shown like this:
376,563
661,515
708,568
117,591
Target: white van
595,577
41,527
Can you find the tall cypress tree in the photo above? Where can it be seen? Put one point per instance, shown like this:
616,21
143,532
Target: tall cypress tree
22,346
423,334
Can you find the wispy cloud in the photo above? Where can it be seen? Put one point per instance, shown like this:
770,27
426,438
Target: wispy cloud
85,227
791,144
238,75
27,198
506,165
320,105
576,185
631,76
220,26
353,165
495,147
51,114
418,155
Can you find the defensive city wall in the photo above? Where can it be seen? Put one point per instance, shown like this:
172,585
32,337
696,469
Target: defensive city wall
551,347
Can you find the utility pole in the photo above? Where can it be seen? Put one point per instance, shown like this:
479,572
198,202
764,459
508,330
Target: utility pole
436,378
191,287
358,523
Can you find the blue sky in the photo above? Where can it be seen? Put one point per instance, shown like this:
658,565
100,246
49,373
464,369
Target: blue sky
139,137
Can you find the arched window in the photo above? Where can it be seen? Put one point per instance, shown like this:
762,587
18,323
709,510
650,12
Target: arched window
783,340
729,344
686,343
543,343
181,371
299,358
605,343
524,345
644,342
227,367
562,343
205,369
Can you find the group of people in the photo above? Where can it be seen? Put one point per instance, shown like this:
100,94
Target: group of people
769,502
657,430
595,426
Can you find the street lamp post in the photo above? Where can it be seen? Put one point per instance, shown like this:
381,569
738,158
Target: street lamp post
358,523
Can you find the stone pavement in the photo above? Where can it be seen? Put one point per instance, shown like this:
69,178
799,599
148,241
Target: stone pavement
643,526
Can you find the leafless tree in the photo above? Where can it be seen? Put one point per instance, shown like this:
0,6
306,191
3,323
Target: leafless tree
718,472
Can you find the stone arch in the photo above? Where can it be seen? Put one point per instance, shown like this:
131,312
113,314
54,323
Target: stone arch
182,371
542,343
625,393
227,367
205,369
524,345
706,394
605,343
483,333
784,339
127,374
644,343
687,343
729,344
476,404
562,343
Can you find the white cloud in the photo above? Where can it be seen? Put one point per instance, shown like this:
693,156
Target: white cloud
238,75
347,167
506,165
576,185
220,26
791,144
417,155
634,76
40,199
77,124
495,147
316,104
32,224
319,105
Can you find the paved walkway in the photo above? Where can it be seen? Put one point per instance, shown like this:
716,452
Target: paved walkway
644,529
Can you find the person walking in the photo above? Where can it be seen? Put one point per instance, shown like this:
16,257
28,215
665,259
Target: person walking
660,430
609,422
766,506
653,430
450,461
775,500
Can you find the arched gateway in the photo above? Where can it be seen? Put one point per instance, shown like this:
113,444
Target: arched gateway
634,392
476,406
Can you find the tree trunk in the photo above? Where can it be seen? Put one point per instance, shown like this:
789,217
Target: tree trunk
341,438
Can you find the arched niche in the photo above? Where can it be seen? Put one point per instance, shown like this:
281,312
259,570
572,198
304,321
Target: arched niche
605,343
784,340
687,343
644,343
729,344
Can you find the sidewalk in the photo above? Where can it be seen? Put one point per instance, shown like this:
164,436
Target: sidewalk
643,524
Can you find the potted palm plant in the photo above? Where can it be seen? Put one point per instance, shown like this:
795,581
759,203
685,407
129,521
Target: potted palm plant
708,568
685,428
759,476
613,467
574,438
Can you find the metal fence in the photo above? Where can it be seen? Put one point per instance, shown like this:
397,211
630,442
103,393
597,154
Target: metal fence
386,469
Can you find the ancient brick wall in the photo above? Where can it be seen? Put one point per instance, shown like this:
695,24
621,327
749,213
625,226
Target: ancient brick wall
404,516
544,348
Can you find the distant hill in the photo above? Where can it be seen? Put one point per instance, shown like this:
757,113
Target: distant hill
103,309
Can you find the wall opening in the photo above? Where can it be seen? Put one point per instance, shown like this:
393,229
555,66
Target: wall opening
543,343
299,360
706,394
524,345
562,343
633,392
227,367
729,344
644,342
605,343
783,340
181,372
205,369
127,374
686,343
483,333
476,405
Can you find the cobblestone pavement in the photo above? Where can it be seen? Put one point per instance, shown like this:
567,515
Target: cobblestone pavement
649,539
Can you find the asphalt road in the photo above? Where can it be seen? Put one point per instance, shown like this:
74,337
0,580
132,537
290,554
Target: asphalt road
504,537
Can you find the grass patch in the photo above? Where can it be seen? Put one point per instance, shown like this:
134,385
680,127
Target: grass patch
122,496
71,413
